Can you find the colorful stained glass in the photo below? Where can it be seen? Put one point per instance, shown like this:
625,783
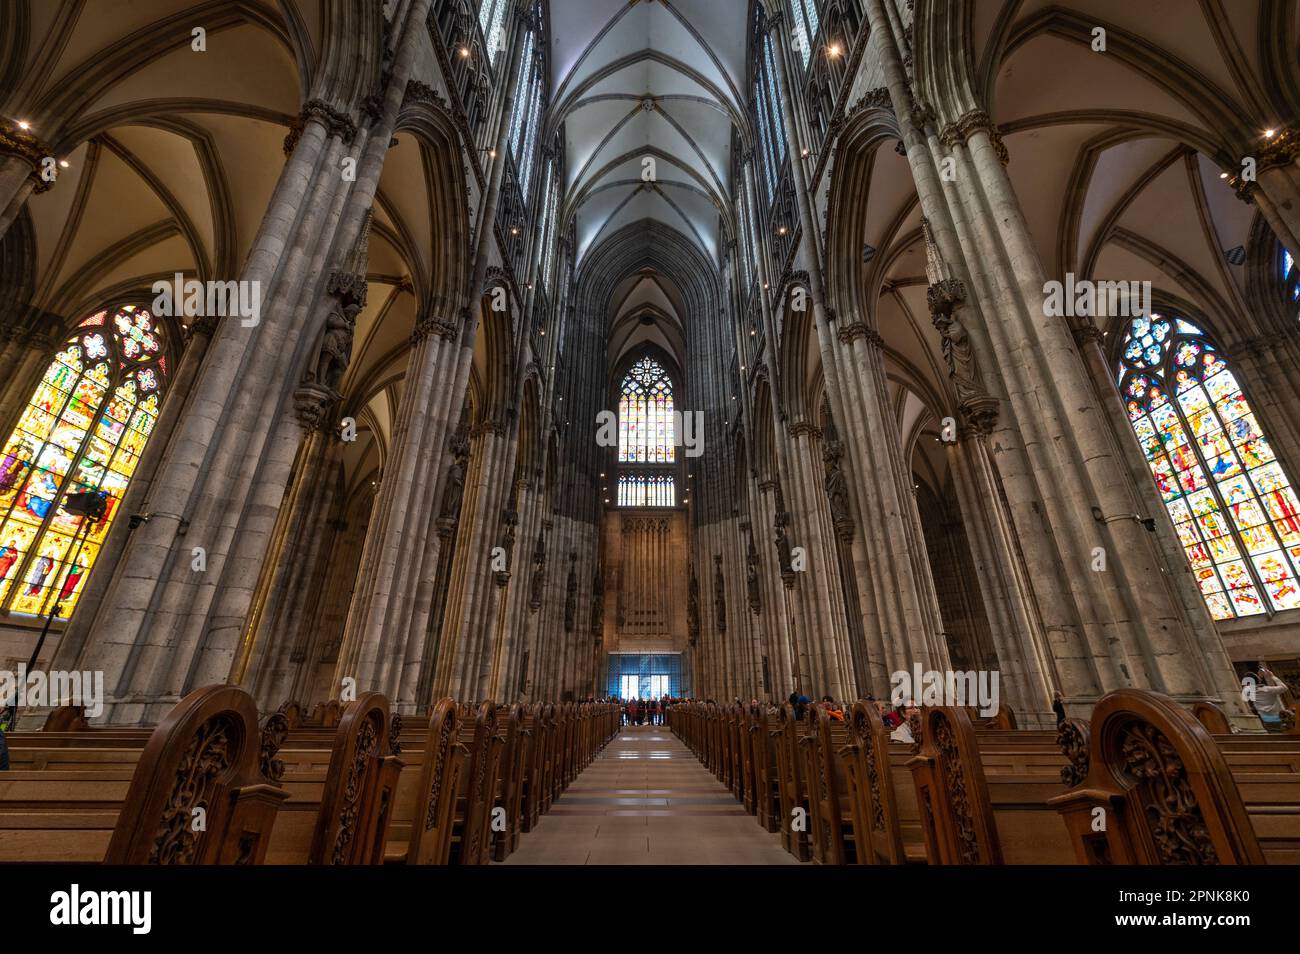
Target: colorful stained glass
645,416
83,430
1231,503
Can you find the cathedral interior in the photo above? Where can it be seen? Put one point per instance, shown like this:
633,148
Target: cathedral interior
571,350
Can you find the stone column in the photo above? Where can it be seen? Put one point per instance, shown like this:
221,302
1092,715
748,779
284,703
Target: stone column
21,157
384,640
293,585
1070,495
830,661
165,626
905,604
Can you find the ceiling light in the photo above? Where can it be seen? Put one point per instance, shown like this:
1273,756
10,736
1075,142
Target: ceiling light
1223,175
24,124
833,50
64,163
804,152
1269,133
464,52
781,230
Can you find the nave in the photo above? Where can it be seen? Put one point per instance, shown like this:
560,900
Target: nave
545,355
648,800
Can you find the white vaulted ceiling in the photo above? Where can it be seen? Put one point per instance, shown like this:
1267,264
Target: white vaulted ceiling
648,78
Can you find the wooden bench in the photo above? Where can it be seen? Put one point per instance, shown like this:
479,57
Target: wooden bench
1171,793
203,761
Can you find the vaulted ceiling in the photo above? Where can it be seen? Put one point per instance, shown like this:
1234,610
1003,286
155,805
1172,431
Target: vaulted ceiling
657,80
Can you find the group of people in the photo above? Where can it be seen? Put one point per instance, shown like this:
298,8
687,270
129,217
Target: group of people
647,711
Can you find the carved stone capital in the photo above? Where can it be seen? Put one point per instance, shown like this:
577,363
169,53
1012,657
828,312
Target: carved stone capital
803,429
433,325
859,329
945,295
971,123
980,414
205,325
1281,150
336,123
312,404
31,149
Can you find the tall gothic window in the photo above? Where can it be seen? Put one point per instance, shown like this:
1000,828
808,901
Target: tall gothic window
550,216
527,111
83,430
805,27
646,435
491,20
1290,277
1231,502
645,416
771,122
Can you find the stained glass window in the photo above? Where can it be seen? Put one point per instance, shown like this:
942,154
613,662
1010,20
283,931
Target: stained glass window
1231,502
527,111
550,215
520,107
767,106
83,430
1290,277
645,416
491,19
646,490
805,28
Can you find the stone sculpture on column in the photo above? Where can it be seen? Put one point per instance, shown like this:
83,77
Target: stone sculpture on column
719,594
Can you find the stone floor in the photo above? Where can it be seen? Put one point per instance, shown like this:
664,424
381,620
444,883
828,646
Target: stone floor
647,800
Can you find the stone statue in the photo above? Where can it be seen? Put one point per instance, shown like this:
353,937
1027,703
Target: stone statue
336,347
571,592
719,594
693,606
837,489
751,579
959,356
597,604
455,489
539,573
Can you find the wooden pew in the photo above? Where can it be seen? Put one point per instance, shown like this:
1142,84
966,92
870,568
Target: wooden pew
1168,793
342,817
793,785
766,768
886,821
827,788
509,797
427,791
471,836
205,754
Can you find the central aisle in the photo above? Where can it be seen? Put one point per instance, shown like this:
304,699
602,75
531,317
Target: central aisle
647,800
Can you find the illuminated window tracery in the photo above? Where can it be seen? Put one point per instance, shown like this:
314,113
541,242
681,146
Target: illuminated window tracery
83,430
1231,502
